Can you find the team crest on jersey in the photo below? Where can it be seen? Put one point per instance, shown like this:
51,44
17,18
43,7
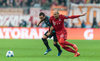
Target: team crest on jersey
54,23
62,35
59,19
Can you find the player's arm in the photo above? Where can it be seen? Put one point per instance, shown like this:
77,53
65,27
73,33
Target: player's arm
75,16
39,22
51,28
50,31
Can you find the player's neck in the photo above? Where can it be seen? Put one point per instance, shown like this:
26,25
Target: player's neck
57,18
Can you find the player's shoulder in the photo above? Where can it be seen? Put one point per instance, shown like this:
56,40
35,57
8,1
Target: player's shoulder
61,15
48,16
52,17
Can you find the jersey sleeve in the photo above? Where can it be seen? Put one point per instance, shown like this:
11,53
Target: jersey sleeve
73,16
48,17
70,17
64,17
50,20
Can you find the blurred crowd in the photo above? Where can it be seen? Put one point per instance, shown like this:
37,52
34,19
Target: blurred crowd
86,1
83,24
31,3
47,4
41,3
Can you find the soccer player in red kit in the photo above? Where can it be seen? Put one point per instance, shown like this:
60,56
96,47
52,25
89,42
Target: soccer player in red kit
57,22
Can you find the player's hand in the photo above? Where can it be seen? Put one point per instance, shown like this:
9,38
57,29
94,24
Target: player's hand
84,14
48,33
37,24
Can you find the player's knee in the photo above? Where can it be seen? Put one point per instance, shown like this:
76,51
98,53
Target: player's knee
61,43
43,39
55,43
48,34
62,46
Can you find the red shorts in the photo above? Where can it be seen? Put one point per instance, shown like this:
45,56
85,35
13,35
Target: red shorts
62,34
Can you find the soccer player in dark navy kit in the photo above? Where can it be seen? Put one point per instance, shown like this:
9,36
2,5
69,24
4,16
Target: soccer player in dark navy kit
45,19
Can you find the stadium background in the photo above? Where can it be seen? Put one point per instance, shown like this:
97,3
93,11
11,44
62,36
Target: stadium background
19,32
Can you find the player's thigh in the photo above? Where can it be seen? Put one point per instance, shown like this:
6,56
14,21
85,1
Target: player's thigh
55,38
45,35
54,42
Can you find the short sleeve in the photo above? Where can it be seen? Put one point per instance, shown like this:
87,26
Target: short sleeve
50,20
65,17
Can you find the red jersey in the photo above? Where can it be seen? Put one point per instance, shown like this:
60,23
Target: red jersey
58,24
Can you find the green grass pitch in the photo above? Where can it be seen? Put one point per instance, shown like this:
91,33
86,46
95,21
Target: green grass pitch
32,50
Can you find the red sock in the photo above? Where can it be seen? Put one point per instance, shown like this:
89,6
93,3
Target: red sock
63,44
69,49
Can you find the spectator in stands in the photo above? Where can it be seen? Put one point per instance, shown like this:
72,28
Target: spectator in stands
63,2
95,1
21,3
72,1
32,3
23,23
24,3
10,3
10,24
46,5
17,3
86,1
79,1
66,24
83,25
43,2
4,3
50,1
95,24
31,21
73,25
59,2
54,2
0,3
35,24
37,3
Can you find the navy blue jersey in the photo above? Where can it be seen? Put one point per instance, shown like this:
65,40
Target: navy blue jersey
46,21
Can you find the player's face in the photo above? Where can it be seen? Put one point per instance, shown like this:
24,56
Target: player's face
42,17
56,15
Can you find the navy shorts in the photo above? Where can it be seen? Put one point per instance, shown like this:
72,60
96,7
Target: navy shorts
52,35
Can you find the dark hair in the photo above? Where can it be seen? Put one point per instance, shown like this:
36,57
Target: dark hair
41,13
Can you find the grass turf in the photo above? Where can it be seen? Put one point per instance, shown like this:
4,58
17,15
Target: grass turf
32,50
